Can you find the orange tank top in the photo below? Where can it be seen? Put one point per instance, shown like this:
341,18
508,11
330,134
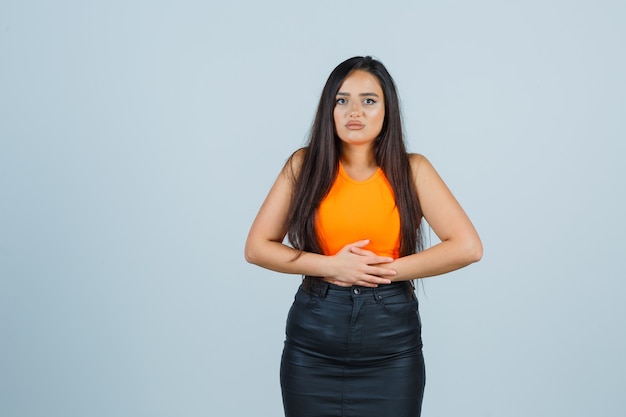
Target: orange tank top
356,210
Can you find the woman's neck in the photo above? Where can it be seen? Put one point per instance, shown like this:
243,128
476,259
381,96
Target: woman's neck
359,162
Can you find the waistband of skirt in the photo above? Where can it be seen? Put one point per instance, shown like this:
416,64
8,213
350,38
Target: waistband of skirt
315,285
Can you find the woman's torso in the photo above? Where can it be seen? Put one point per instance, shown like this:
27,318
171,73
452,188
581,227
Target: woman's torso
357,210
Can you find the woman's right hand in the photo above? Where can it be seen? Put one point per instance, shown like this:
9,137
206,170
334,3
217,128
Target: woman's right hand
354,265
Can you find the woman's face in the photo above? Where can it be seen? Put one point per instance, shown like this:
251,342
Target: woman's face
359,108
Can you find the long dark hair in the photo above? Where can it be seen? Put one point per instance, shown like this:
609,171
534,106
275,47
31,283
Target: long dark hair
320,162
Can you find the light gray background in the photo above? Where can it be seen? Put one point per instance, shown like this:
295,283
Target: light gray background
138,140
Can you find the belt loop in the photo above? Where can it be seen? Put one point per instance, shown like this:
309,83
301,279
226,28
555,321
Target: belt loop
378,296
324,289
409,287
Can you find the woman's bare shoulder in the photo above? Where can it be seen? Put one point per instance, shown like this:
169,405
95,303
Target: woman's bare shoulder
294,163
298,156
417,162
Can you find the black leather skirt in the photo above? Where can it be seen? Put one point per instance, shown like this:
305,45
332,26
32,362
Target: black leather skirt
353,352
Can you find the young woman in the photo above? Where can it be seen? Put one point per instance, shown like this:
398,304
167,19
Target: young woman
351,203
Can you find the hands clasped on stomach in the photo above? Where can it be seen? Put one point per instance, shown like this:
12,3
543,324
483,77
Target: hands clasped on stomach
353,265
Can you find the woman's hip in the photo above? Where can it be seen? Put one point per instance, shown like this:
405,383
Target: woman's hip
354,324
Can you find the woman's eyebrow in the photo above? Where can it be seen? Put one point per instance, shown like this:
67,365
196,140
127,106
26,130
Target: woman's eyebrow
360,95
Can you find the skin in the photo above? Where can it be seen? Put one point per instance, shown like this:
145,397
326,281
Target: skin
359,115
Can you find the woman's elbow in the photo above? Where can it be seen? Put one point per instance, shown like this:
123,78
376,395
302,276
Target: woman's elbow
469,249
474,250
250,254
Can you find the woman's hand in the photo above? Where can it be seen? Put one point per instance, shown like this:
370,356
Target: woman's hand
353,265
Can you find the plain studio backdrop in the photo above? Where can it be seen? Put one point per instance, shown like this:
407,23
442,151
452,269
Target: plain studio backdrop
138,140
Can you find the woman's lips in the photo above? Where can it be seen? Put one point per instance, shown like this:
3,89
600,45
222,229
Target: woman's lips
354,125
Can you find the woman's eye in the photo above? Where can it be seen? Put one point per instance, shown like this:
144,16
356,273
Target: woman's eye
369,101
341,101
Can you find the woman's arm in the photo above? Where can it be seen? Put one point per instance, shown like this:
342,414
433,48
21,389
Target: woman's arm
264,246
460,244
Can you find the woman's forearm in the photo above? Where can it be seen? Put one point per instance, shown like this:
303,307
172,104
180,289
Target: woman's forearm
444,257
344,268
282,258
